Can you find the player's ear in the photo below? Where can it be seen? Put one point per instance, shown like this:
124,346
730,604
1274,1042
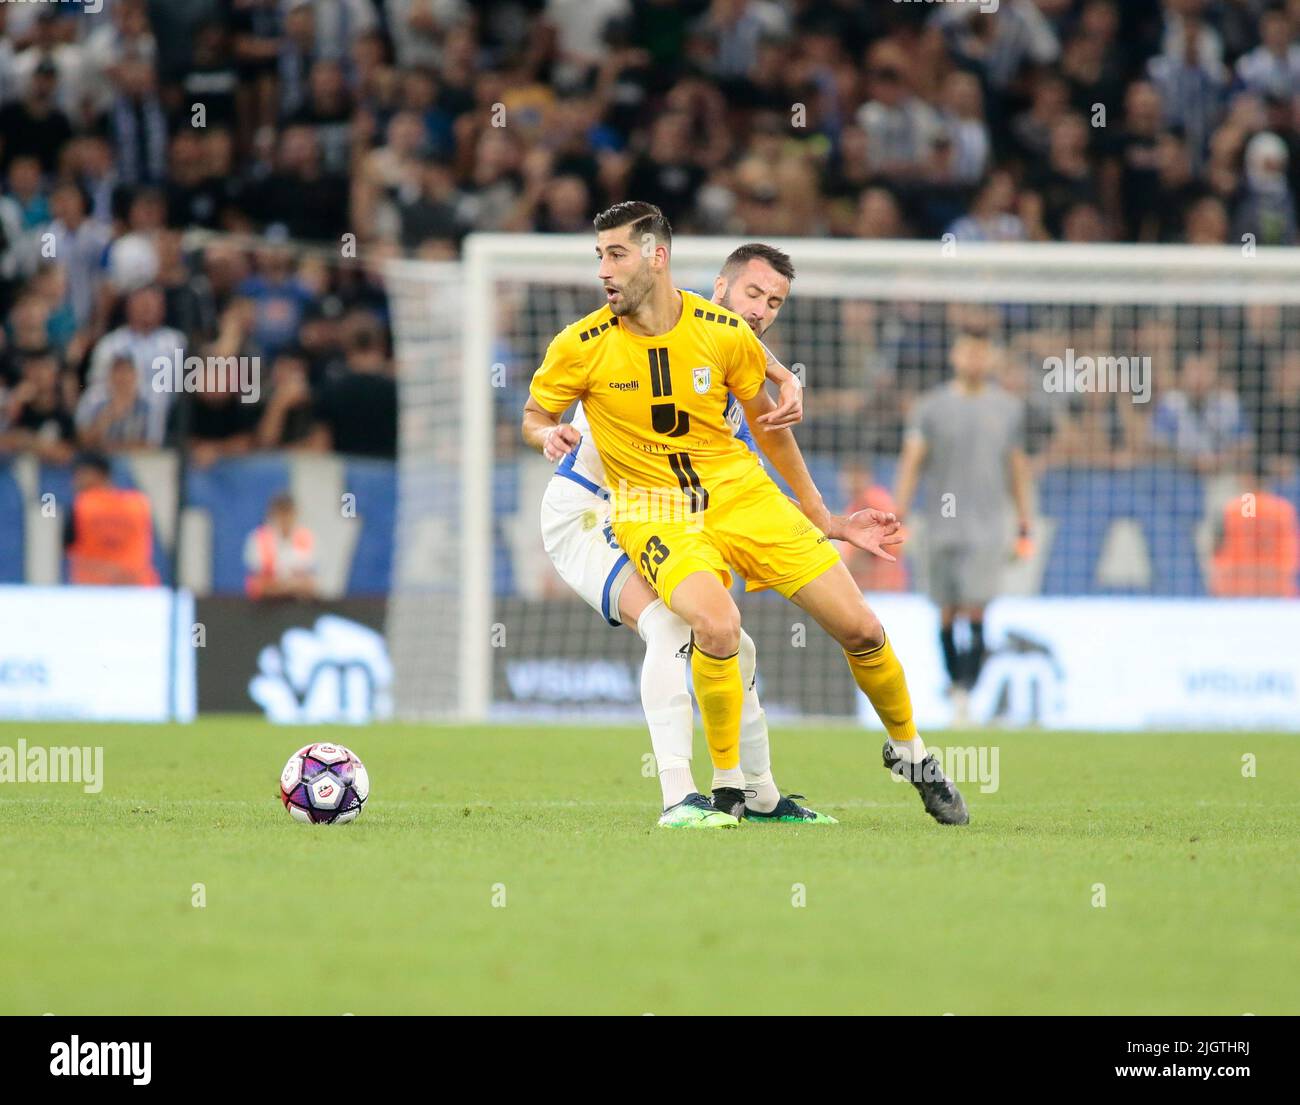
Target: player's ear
719,289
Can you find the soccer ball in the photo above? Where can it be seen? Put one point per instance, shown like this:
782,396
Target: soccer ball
324,784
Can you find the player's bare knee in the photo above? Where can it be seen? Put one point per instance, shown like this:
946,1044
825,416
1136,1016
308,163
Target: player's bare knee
717,632
866,633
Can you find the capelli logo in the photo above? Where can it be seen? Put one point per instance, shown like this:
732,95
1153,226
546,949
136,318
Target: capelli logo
90,1059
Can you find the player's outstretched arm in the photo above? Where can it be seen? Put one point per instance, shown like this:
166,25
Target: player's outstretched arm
544,431
869,530
780,447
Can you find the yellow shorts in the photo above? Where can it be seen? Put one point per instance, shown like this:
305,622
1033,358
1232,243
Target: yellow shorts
760,533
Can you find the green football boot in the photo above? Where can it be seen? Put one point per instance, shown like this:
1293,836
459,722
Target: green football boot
696,812
789,812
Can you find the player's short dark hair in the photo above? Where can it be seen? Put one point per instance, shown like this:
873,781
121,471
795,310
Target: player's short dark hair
759,251
644,218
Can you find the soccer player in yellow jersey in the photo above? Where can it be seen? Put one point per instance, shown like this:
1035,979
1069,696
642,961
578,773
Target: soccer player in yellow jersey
690,502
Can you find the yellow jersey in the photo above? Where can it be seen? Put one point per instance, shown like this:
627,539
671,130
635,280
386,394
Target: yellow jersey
656,403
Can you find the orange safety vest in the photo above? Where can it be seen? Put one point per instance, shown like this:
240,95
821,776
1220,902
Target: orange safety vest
112,538
1258,556
869,571
267,543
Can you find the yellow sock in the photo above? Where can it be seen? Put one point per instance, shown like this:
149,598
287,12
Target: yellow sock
880,675
720,693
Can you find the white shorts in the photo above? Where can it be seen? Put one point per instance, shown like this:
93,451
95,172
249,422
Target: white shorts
580,542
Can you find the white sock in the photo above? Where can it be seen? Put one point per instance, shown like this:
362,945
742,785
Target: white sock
755,755
728,777
666,698
912,752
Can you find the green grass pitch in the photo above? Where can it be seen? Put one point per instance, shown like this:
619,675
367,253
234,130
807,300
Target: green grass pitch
403,911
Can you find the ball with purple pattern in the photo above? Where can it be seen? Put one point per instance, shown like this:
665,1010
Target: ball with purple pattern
324,784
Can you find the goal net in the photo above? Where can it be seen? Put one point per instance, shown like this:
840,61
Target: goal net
1160,386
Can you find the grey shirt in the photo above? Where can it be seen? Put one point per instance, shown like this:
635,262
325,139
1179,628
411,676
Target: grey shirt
967,468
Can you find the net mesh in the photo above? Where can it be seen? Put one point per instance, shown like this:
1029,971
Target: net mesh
1159,388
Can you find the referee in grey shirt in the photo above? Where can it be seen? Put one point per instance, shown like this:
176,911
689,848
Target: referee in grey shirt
966,440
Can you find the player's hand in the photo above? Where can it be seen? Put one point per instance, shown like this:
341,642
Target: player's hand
789,408
871,531
1024,549
560,441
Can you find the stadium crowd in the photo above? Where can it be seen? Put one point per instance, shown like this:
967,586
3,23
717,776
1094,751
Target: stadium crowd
399,126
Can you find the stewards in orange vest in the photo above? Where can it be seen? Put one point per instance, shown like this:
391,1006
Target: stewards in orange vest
1258,554
280,556
109,533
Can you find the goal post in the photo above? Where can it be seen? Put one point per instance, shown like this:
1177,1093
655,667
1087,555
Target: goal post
479,625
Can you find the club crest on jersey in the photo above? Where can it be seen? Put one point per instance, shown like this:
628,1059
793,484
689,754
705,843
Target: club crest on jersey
702,378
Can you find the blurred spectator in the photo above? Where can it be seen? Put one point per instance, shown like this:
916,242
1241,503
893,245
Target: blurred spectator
1190,77
116,418
902,130
219,418
1031,130
190,305
138,125
992,215
278,299
1098,430
90,162
1068,176
256,27
23,211
1257,545
300,196
108,535
211,78
418,28
29,334
437,213
1177,192
39,417
1200,423
1207,223
357,413
287,416
1273,67
967,134
296,55
1138,152
9,79
280,555
1266,208
998,48
879,215
80,244
327,110
144,339
34,125
122,39
133,257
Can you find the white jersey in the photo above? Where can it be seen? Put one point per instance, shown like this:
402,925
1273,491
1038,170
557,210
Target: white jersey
586,457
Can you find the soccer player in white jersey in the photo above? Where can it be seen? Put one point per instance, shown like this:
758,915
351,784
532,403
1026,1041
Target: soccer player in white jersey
754,283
